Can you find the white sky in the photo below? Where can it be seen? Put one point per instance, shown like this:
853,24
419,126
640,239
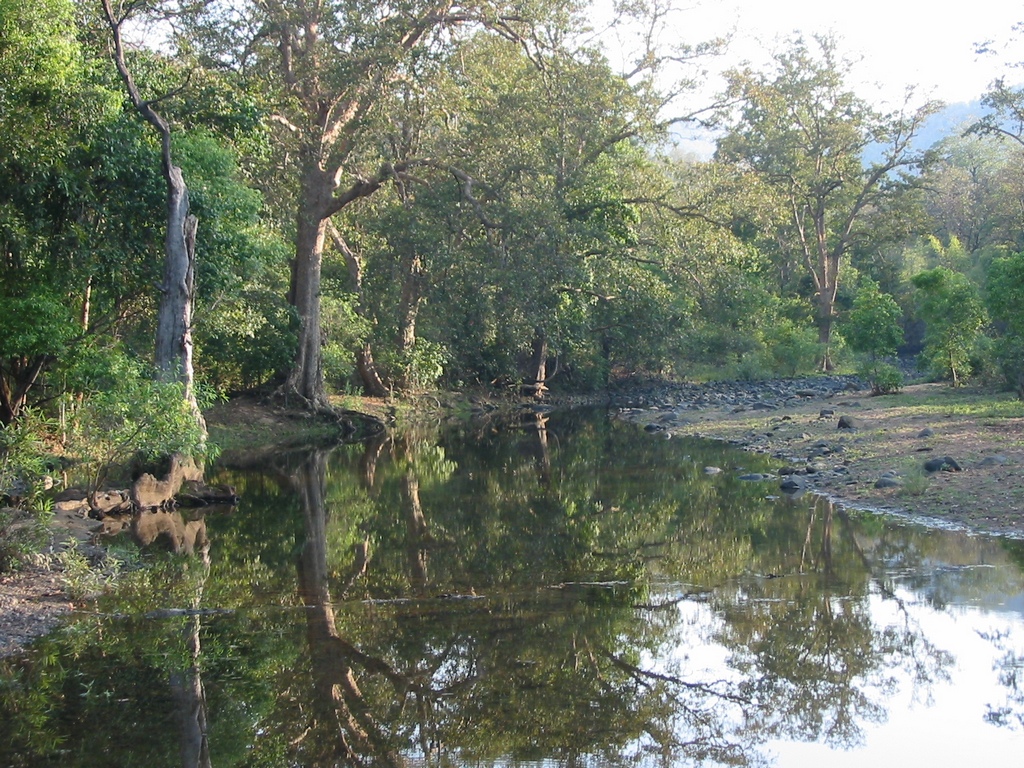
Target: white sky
896,44
902,42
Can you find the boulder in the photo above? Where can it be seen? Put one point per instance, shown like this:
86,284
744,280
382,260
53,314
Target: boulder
849,422
792,483
943,464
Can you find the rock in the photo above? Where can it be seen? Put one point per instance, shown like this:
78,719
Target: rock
926,432
826,413
888,481
849,422
944,464
764,407
752,477
793,483
109,502
149,493
806,393
712,470
998,460
653,428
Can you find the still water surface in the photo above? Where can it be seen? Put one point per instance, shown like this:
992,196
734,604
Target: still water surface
561,592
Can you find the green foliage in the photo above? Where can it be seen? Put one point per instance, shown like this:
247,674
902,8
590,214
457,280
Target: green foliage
37,325
951,307
421,367
24,470
790,348
874,326
125,413
1005,299
885,379
874,329
344,331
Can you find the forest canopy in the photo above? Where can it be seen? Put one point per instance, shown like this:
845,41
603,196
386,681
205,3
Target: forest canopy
391,198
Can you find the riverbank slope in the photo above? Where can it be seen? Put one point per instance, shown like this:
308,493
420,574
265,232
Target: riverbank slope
952,456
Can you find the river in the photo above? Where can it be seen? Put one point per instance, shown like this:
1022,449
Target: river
566,590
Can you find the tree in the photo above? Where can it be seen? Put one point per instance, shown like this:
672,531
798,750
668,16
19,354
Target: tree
804,134
328,71
1005,299
1006,115
173,356
952,309
875,329
43,74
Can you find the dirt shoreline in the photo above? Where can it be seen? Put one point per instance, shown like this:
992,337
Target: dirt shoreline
893,438
794,421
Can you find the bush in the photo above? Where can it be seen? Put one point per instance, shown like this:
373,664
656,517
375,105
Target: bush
885,379
791,349
129,415
23,479
1009,357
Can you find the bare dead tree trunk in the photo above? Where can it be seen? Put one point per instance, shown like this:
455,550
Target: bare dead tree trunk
536,376
187,686
173,355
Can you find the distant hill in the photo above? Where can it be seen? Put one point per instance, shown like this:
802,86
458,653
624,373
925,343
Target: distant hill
953,118
698,143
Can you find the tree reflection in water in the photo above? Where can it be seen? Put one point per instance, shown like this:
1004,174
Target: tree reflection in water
453,677
561,590
806,639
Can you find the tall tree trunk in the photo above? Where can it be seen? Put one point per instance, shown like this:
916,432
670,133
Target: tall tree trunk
827,280
173,354
342,717
536,375
306,380
174,317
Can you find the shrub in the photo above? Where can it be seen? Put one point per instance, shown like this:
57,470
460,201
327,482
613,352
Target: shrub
23,478
885,379
129,415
